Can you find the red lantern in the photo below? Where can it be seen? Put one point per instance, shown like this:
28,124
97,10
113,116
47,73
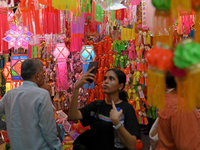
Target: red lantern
6,72
138,145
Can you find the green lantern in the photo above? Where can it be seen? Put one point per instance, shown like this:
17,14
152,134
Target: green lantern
187,53
162,4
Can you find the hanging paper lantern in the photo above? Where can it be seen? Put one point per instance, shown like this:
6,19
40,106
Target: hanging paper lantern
160,61
6,72
187,57
61,53
161,4
18,36
139,145
16,62
87,55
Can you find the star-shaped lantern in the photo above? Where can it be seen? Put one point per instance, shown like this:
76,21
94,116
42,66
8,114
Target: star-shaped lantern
61,52
6,72
87,53
18,36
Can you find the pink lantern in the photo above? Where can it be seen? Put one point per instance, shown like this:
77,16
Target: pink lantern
61,53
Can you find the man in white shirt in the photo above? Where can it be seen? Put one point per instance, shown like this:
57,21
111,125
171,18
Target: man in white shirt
29,115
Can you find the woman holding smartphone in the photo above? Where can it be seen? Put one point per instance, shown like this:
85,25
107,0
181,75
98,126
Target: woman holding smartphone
102,129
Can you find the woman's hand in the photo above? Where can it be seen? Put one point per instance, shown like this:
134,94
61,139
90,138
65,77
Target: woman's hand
115,114
84,79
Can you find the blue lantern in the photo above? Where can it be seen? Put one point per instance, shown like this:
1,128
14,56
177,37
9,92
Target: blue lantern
87,55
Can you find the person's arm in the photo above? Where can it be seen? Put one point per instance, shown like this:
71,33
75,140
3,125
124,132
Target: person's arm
47,123
74,113
2,112
126,138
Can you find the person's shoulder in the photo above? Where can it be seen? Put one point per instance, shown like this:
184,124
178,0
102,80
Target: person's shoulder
171,106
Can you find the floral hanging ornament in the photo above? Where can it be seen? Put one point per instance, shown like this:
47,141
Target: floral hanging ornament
18,36
87,55
61,53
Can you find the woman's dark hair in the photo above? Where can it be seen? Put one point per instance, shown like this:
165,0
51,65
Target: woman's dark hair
122,79
170,81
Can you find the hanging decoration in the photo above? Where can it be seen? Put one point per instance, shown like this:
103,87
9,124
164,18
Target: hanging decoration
7,75
87,55
77,33
186,58
18,36
61,53
16,62
144,14
160,60
6,71
3,28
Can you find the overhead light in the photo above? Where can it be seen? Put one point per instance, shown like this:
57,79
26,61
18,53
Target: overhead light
107,5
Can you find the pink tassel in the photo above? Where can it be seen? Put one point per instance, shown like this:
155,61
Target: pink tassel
130,53
186,23
138,66
142,120
62,81
133,51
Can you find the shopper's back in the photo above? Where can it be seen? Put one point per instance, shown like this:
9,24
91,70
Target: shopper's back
29,117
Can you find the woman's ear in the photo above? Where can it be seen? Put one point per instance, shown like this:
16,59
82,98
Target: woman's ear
121,86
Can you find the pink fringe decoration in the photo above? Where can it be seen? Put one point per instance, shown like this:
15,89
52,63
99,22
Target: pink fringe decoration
186,23
138,66
77,33
62,81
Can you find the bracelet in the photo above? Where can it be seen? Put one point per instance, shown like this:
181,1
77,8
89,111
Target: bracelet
117,126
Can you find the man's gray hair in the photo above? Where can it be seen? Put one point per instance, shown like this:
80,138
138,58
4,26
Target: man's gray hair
29,68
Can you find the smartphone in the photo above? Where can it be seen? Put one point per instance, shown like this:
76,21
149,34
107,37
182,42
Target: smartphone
91,65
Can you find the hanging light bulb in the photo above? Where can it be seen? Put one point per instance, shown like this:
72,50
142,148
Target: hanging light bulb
107,5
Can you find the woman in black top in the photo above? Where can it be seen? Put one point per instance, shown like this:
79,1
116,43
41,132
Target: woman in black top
103,128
